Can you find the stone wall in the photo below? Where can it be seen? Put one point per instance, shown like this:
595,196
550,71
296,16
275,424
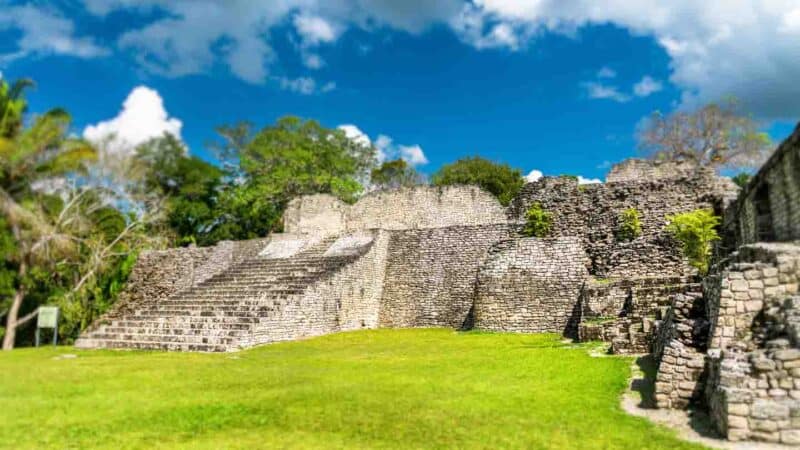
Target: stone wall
636,170
399,209
531,285
769,207
316,215
592,212
431,274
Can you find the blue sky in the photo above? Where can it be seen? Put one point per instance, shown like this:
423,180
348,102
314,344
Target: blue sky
553,86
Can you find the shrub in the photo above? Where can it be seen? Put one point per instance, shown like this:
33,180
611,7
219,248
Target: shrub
539,222
630,227
696,231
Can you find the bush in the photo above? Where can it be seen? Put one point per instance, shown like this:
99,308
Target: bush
630,227
501,180
539,222
696,231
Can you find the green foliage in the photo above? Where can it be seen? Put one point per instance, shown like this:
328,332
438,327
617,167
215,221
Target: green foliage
501,180
538,221
190,184
207,401
571,177
696,231
629,226
394,174
296,157
742,179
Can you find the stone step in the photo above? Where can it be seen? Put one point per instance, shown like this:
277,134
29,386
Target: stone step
174,330
88,343
194,313
185,321
165,338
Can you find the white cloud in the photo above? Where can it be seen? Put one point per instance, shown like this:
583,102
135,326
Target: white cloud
142,117
602,91
386,148
355,134
412,154
314,29
647,86
305,85
745,48
533,175
582,180
606,72
44,31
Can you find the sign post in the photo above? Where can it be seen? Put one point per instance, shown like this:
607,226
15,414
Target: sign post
47,318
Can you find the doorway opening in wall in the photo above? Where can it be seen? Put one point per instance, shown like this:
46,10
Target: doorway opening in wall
764,228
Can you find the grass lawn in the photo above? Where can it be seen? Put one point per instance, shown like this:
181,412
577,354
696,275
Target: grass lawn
424,388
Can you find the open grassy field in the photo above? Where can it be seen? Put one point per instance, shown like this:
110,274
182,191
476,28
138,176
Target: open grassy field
424,388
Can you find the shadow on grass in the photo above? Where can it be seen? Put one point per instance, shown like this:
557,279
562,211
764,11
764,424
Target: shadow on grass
646,385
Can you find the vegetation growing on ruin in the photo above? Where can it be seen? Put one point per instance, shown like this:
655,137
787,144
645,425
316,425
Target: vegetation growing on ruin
629,225
501,180
697,231
413,388
742,179
538,222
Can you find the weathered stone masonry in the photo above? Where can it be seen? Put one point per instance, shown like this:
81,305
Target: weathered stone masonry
733,348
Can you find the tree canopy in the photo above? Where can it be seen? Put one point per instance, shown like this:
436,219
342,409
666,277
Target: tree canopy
716,135
297,157
501,180
394,174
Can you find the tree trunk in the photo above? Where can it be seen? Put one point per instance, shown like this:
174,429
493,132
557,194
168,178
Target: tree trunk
13,313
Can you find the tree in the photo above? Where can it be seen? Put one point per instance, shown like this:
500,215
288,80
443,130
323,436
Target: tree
499,179
297,157
394,174
189,184
716,135
39,153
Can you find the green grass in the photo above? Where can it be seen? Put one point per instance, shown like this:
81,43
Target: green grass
424,388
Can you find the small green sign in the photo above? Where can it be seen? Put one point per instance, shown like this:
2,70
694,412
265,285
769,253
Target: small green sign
48,317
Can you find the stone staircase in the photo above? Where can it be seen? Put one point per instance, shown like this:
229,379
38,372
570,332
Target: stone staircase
221,313
629,311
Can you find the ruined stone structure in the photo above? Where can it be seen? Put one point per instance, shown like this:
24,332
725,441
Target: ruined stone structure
733,347
454,257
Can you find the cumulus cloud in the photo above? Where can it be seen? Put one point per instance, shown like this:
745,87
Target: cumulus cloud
647,86
355,134
535,175
583,180
44,31
746,48
142,118
386,148
314,29
412,154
